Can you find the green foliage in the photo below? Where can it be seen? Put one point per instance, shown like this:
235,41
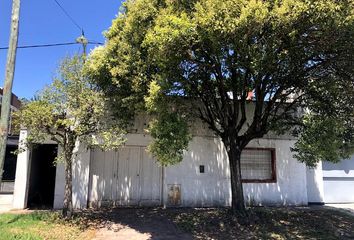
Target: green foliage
291,54
324,139
171,138
168,127
71,108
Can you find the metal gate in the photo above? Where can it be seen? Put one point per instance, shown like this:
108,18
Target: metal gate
127,177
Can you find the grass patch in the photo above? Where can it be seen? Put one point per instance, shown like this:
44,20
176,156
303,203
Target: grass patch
41,225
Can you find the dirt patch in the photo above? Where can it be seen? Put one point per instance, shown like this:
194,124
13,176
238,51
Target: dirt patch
266,223
191,223
133,224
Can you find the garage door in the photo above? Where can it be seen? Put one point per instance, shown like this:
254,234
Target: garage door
127,177
338,181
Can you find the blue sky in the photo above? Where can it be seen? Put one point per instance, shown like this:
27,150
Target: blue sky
43,22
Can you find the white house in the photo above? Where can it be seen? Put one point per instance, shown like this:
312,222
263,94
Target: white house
131,177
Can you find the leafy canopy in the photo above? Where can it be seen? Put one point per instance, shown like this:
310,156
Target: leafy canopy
292,54
70,107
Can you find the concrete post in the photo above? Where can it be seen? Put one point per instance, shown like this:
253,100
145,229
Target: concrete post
59,184
81,178
315,191
22,173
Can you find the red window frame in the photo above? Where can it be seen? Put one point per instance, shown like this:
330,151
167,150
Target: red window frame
273,179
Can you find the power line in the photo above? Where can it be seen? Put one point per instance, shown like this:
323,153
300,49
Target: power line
51,45
95,42
68,15
42,45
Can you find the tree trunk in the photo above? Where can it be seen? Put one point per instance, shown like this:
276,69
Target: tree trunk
234,154
68,156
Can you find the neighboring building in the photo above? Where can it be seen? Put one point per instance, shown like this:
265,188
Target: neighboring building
331,183
130,177
8,179
15,105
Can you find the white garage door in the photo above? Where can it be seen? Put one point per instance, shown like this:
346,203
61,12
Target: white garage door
338,181
127,177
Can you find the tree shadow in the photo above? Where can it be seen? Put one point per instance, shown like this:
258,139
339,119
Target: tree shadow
151,222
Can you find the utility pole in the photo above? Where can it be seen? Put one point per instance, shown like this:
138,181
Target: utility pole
83,40
9,77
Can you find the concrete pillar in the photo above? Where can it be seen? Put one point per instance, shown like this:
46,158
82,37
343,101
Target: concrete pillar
81,176
315,191
81,171
59,184
22,173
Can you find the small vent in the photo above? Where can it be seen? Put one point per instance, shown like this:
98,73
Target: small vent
174,194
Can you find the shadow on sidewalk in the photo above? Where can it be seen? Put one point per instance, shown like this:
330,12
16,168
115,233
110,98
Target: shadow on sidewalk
135,223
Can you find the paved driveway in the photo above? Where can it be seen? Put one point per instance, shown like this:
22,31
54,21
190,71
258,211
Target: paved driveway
138,224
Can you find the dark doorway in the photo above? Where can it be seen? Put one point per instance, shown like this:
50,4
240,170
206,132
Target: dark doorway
42,176
8,177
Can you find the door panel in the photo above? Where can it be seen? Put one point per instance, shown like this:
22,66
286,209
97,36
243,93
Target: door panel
109,158
124,177
150,175
127,176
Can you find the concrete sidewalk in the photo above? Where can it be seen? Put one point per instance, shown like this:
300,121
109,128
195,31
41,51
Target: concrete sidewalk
4,208
138,224
348,207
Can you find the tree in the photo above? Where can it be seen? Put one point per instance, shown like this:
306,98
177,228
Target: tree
70,111
295,56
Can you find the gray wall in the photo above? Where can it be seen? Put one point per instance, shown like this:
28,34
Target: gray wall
338,180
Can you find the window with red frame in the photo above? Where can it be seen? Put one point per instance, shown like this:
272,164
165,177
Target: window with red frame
258,165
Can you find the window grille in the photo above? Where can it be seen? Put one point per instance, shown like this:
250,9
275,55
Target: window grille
258,165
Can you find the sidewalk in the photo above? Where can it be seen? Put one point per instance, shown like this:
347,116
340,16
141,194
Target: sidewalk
348,207
139,224
4,208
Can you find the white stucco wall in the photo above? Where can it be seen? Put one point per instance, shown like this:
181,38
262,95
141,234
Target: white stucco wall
80,179
290,188
22,174
314,178
213,187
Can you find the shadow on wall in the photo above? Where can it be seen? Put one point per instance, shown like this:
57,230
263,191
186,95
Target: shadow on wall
127,177
212,188
135,179
198,188
81,166
338,181
346,166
